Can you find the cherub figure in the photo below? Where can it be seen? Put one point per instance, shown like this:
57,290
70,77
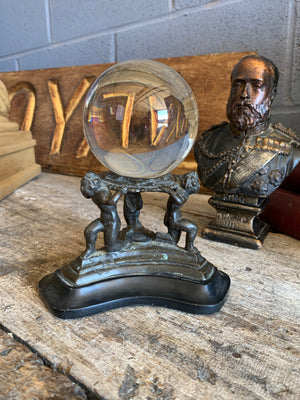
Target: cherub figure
134,231
92,186
173,220
133,203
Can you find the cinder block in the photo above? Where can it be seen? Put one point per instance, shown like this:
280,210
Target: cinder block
7,65
180,4
91,51
289,117
225,27
75,18
22,25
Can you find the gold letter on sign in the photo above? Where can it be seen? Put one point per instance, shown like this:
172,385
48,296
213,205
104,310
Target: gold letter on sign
29,91
61,117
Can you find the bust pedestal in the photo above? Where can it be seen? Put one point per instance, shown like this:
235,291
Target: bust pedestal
237,222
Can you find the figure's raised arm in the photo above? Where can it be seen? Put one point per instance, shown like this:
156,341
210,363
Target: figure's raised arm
176,194
119,193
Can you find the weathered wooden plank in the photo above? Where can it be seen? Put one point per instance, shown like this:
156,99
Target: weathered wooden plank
249,350
24,376
50,102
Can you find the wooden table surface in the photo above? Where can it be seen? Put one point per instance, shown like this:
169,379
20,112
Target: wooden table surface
248,350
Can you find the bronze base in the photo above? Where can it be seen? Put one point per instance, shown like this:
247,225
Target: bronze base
154,273
237,224
136,265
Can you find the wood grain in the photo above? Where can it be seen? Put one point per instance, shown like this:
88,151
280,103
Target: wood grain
249,350
50,102
17,160
24,375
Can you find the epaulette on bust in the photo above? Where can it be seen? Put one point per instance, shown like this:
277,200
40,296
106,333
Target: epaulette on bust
287,131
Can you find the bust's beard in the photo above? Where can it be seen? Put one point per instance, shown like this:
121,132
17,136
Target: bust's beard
246,116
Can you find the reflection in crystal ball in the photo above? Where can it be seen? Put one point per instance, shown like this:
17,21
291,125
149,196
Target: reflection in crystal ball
140,119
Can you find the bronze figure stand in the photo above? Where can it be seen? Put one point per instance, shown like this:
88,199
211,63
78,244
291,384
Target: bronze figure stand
136,265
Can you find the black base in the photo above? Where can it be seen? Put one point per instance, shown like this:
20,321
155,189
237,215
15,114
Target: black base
70,301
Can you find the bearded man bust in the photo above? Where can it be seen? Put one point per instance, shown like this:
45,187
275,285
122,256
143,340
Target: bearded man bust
244,160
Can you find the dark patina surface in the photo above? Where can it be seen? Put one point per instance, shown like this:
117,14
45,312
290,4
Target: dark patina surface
136,265
244,160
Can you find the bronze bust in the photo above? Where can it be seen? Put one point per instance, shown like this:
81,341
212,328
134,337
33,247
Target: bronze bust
244,160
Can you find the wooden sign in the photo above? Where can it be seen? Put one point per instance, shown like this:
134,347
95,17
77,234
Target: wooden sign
49,102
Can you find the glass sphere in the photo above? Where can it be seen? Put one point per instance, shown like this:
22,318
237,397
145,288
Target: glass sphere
140,119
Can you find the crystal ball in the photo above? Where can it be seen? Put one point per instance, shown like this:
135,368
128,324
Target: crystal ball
140,119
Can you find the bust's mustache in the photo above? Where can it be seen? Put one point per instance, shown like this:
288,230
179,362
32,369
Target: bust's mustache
244,114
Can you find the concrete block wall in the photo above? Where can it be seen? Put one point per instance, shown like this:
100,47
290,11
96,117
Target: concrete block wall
54,33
